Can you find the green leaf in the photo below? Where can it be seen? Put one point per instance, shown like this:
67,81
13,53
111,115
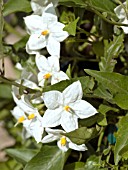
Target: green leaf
22,155
103,6
98,48
49,158
76,3
101,92
124,152
111,51
68,71
67,17
113,83
106,29
82,135
5,91
75,166
15,6
85,82
88,122
94,163
71,27
21,44
104,109
121,138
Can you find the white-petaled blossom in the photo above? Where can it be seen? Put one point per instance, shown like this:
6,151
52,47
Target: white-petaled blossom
65,108
49,69
39,6
63,142
27,83
45,31
123,18
25,113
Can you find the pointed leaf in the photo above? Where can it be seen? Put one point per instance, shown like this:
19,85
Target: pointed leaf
15,6
71,27
82,135
86,83
121,138
49,158
111,50
22,155
75,166
116,83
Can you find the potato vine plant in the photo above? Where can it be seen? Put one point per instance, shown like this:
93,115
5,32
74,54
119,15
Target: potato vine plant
67,108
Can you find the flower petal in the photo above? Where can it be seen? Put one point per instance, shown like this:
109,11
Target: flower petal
77,147
57,31
120,11
42,63
30,51
17,112
63,148
59,76
49,138
50,9
41,80
83,109
52,99
34,23
37,6
54,131
72,93
53,46
68,121
54,63
36,42
51,118
125,29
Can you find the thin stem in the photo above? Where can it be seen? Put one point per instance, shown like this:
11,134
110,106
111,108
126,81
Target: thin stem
5,80
10,29
1,28
100,138
105,19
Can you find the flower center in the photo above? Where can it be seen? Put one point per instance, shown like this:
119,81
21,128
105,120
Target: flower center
47,76
63,141
31,116
67,108
45,32
21,119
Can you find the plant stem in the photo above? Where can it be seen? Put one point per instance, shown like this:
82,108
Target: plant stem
106,19
5,80
1,28
100,139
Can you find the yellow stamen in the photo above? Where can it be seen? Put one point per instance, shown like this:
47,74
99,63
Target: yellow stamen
45,32
67,108
47,76
31,116
63,141
21,119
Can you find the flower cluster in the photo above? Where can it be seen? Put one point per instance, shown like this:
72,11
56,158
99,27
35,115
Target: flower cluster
121,13
64,109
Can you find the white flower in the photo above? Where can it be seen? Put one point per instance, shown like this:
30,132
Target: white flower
45,31
63,142
65,108
29,84
31,121
25,113
123,18
39,6
49,68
